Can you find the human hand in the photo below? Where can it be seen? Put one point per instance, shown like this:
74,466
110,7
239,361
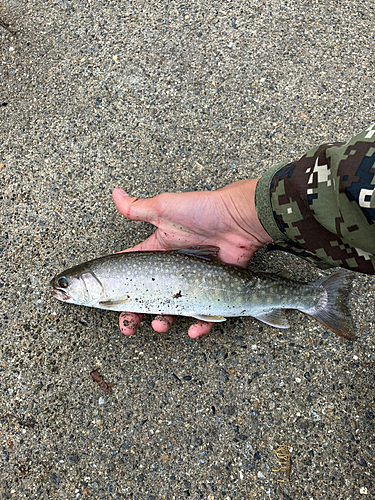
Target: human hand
225,218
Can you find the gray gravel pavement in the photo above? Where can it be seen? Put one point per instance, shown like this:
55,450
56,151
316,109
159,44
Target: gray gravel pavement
159,96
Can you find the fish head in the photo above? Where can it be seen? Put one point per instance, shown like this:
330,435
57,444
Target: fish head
69,288
76,286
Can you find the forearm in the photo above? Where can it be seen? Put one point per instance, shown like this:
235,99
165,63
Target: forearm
324,203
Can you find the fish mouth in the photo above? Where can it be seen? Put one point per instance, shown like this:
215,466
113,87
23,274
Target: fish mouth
60,294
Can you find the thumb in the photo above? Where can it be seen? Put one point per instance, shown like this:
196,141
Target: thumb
134,208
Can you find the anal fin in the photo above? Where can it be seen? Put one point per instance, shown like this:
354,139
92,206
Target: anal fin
274,317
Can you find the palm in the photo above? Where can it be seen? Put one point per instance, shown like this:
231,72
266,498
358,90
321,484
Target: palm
199,218
225,218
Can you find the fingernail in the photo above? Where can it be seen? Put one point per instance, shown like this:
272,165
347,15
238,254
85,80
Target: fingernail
121,191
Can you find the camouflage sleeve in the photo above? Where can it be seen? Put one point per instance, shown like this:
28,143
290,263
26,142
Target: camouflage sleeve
322,207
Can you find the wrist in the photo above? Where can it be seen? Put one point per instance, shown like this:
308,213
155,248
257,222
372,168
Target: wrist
264,208
239,200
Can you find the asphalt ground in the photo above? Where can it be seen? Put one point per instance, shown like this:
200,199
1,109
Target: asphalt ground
172,96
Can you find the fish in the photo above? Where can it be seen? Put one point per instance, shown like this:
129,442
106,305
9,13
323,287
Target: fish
194,282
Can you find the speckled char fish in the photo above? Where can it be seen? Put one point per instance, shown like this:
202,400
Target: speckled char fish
194,282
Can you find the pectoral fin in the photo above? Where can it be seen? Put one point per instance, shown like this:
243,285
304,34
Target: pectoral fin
275,317
113,303
212,319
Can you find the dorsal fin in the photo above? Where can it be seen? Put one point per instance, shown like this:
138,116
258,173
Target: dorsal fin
208,252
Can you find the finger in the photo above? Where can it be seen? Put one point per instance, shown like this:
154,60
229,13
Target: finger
129,322
134,208
162,324
200,329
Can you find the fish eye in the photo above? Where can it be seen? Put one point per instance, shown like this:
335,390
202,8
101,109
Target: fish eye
63,283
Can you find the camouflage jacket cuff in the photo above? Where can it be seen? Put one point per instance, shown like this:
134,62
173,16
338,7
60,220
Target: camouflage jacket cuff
263,204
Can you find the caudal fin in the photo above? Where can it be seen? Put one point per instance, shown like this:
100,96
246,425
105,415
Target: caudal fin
333,312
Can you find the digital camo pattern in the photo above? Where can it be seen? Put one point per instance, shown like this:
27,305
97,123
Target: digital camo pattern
324,204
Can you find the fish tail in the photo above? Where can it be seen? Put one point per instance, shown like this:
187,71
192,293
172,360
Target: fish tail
333,311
